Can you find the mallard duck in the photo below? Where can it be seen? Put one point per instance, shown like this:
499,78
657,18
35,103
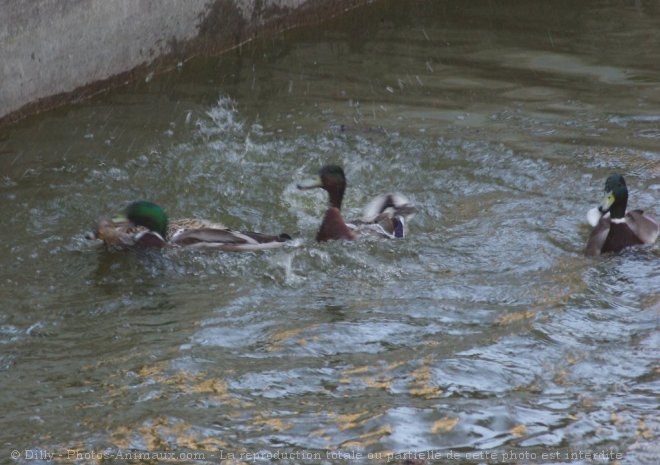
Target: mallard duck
385,216
614,229
146,225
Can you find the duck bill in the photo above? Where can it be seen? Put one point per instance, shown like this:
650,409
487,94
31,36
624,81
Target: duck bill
607,203
311,183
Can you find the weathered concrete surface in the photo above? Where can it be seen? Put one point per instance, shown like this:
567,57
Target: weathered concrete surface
53,51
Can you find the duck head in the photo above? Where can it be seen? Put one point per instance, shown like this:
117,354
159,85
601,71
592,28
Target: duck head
616,197
148,215
331,178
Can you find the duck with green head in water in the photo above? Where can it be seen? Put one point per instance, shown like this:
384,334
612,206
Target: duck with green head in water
614,229
146,225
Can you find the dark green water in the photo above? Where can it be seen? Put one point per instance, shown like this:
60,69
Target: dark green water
486,330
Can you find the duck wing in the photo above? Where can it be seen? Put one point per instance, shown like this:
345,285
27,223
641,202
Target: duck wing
183,224
644,226
227,240
386,215
209,235
598,237
391,204
262,238
385,225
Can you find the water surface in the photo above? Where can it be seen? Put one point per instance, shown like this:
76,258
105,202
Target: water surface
485,330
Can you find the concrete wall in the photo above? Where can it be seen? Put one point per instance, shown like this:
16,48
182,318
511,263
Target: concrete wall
55,51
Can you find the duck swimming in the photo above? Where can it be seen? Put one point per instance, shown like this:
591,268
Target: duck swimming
385,216
614,229
146,225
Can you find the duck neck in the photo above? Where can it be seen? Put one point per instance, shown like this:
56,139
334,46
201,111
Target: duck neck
618,209
336,197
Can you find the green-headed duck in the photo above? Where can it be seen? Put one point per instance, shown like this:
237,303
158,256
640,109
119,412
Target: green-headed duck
614,229
146,225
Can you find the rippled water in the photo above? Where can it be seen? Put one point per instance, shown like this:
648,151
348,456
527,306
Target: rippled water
486,330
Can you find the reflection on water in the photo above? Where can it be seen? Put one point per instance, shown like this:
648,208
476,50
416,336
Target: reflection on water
486,329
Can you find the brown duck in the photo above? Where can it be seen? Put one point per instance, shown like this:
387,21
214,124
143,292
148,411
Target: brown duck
385,216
